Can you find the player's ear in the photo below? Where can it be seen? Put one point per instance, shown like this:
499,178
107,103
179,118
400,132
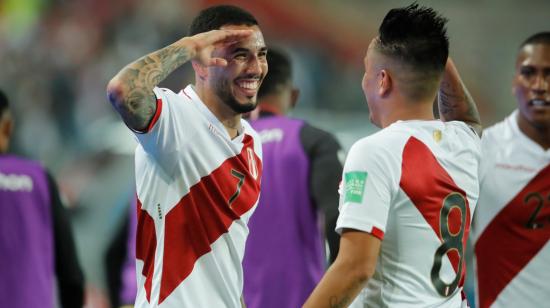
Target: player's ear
385,83
200,70
294,94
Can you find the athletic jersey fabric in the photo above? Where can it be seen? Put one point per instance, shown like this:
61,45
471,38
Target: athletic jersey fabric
511,228
196,191
414,185
36,243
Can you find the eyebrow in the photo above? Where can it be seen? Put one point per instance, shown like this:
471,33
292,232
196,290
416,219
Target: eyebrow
241,49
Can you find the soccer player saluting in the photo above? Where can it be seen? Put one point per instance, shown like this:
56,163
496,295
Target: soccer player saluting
198,165
407,191
512,223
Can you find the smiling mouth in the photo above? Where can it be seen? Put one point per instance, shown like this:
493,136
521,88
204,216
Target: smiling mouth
248,86
539,103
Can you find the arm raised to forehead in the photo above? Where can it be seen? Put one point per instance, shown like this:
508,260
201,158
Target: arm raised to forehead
455,102
131,90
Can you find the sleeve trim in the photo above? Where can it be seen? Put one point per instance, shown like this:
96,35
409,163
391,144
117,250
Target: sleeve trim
155,118
153,121
377,233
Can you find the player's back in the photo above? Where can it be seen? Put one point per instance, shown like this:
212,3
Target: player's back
421,186
26,239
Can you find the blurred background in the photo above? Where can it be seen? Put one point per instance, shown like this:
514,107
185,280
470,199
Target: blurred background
57,56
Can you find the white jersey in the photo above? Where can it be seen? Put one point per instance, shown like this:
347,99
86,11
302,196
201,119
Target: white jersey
196,191
414,185
512,223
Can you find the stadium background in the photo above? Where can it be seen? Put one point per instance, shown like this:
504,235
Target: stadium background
57,56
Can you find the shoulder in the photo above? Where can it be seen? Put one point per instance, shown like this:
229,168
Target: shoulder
250,131
310,131
385,145
498,133
21,162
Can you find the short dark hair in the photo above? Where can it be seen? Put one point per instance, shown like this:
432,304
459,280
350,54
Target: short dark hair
537,38
4,106
280,72
417,37
215,17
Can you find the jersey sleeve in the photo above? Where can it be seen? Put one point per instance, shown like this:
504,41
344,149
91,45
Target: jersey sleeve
169,128
366,190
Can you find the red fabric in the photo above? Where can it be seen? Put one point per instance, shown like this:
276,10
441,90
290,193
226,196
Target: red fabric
427,184
205,214
146,244
377,233
156,116
507,244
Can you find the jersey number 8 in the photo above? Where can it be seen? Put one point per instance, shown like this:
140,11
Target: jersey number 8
451,241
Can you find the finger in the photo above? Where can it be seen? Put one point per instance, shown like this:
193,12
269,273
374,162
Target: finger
217,62
232,36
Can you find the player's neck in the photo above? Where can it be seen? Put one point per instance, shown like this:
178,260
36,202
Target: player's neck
227,116
421,112
540,135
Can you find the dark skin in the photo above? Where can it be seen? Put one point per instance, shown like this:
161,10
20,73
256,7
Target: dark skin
531,86
6,129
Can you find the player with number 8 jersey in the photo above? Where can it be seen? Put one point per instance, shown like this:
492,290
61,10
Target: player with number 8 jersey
408,192
408,186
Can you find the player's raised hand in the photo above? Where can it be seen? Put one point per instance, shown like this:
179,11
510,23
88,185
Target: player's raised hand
203,44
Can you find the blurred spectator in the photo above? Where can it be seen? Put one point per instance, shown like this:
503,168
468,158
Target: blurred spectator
36,242
285,258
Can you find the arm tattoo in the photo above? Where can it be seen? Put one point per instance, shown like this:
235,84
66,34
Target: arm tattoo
456,103
347,298
137,105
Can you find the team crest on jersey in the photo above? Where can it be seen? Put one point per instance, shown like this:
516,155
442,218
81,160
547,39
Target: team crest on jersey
252,164
437,134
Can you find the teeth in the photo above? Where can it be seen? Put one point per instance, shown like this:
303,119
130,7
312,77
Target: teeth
539,102
251,85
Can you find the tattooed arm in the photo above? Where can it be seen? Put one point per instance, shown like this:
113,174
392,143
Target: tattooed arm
455,102
131,90
350,272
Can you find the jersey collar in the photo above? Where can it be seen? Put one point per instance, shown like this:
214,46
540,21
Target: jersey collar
190,92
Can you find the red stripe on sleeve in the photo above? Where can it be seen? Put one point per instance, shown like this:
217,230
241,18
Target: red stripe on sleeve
377,233
156,116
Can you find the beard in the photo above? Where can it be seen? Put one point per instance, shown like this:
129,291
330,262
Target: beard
223,91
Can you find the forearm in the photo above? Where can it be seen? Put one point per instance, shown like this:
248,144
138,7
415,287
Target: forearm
338,288
454,101
131,90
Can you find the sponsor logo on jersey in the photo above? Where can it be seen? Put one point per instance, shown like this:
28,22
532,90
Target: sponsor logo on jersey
271,135
355,186
515,167
15,182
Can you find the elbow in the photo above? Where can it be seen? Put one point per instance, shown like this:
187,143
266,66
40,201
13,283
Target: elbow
360,270
115,92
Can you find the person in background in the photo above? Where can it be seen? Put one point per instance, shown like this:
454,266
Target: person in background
511,229
36,241
285,251
409,190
